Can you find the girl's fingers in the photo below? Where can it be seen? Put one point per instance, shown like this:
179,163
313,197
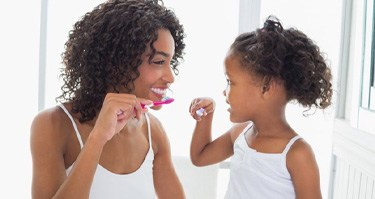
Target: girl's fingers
195,105
201,107
200,112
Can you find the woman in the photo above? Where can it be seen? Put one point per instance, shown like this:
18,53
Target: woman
99,142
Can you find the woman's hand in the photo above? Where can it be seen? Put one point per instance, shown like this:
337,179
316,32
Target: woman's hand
116,111
201,107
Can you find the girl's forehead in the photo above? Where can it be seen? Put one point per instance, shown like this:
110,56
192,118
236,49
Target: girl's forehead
234,69
233,64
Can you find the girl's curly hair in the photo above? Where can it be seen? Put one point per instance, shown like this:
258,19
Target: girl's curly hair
104,50
289,55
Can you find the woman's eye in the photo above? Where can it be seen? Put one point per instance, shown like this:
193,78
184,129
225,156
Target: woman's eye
159,62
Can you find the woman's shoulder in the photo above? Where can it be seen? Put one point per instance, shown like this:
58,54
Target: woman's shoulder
49,123
156,126
158,135
50,116
154,121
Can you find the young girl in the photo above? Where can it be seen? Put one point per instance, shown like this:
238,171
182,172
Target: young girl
265,70
99,142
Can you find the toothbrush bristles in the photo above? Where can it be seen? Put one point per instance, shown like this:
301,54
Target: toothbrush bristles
165,98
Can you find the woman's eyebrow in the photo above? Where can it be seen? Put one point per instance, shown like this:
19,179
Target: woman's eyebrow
162,53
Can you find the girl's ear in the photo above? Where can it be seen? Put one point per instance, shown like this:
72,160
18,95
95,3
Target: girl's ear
265,88
266,84
273,88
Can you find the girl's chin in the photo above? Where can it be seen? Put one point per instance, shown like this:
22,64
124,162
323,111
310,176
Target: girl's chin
235,119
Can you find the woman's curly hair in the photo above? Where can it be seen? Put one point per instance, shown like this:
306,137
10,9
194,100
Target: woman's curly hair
104,50
289,55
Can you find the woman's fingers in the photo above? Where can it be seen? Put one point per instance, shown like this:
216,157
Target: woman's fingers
133,106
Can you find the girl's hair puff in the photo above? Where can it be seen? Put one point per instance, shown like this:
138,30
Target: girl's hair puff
272,52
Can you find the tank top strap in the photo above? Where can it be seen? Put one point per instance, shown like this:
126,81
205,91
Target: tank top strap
290,143
148,130
74,124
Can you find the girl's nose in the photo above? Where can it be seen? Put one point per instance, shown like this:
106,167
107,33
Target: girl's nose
224,93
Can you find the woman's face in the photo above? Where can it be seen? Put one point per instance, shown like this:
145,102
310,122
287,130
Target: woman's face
156,75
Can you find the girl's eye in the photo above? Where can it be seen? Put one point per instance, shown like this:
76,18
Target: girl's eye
228,82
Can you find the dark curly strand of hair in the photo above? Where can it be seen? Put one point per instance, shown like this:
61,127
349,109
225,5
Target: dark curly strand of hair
289,55
104,50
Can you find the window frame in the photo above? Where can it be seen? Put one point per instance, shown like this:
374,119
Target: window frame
355,65
366,109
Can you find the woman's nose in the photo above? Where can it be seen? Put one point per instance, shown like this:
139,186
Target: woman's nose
168,75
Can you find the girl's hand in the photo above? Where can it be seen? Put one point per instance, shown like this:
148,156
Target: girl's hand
204,105
116,111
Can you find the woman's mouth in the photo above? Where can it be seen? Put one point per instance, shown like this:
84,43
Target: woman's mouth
161,92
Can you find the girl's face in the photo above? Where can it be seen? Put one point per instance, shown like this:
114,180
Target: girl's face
243,93
156,75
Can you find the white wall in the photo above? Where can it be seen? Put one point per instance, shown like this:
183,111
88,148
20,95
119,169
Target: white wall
210,29
19,39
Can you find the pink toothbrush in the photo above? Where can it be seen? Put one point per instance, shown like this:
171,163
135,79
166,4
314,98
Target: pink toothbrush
165,100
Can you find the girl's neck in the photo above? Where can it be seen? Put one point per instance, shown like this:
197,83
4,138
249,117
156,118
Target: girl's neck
272,127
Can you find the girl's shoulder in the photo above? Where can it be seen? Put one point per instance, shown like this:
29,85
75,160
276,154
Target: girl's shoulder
299,153
238,128
300,148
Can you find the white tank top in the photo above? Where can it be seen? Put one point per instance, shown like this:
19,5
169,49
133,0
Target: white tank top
138,184
259,175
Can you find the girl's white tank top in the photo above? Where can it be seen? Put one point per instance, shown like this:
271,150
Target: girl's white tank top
259,175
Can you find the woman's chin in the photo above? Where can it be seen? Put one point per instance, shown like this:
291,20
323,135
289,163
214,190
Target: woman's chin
156,108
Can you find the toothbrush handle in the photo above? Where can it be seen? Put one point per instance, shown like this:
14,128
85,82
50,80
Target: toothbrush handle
147,105
158,103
